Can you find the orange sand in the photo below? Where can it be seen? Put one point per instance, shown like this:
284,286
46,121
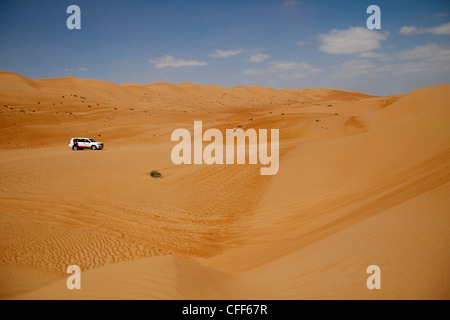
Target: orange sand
367,184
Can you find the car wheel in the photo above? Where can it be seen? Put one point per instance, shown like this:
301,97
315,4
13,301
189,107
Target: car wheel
75,148
94,148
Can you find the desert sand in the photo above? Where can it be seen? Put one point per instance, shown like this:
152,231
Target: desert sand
362,180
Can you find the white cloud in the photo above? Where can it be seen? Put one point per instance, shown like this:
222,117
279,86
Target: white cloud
259,57
288,65
408,31
430,52
377,55
420,68
225,54
443,29
285,69
289,3
69,70
353,40
432,59
250,72
354,68
169,61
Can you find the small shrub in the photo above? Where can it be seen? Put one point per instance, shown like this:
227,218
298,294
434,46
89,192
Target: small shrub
317,120
155,174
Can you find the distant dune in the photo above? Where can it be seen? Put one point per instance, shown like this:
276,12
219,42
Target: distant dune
363,180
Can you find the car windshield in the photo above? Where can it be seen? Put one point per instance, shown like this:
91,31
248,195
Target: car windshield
92,140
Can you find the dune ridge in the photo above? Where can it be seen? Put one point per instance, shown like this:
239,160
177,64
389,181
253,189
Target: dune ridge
363,180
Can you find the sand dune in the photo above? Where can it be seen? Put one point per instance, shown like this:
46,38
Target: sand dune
363,180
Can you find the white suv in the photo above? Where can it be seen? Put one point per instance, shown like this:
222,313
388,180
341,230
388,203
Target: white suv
85,143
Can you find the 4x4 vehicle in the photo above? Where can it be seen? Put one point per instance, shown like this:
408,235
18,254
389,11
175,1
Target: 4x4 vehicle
85,143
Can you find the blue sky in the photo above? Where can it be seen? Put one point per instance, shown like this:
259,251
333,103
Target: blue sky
276,43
